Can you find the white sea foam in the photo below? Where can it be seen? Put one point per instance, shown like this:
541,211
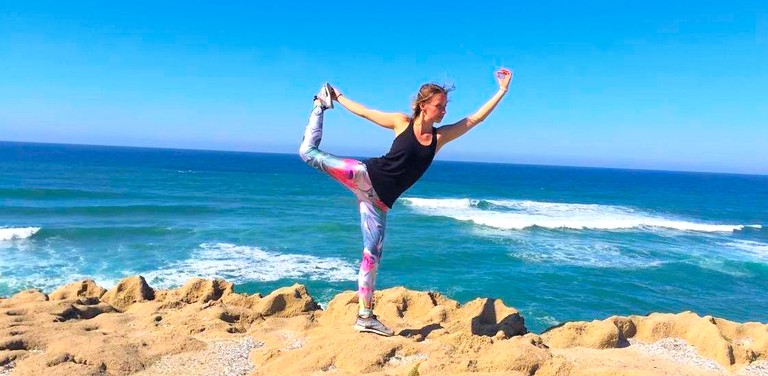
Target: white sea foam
48,283
751,247
240,264
593,255
234,263
522,214
548,321
16,233
46,266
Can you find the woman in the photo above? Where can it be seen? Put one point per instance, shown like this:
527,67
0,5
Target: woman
378,182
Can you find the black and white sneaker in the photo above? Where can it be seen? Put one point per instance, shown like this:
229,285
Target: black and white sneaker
373,325
324,96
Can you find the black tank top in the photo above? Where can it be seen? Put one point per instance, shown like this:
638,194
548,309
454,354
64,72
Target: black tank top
406,161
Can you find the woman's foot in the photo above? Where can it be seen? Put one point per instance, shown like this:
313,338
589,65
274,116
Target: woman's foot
324,98
373,325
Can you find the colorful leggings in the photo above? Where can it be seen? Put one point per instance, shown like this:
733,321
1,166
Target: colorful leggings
373,213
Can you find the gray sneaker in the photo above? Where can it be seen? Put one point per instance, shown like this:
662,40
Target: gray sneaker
373,325
324,96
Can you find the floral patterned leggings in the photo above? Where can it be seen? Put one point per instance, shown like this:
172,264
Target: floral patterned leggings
373,213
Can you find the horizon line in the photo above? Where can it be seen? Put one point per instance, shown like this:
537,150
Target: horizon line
443,160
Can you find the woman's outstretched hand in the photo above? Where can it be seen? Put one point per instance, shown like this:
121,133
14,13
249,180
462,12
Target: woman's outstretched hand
335,93
504,76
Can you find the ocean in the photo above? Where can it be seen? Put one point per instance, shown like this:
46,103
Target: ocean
557,243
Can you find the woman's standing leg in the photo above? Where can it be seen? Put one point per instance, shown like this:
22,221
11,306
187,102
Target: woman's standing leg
372,224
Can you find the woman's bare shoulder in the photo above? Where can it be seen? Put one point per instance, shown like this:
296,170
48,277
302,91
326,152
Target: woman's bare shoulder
401,123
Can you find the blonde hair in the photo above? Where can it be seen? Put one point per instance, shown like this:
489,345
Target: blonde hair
427,92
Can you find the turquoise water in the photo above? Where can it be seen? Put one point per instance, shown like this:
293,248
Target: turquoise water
557,243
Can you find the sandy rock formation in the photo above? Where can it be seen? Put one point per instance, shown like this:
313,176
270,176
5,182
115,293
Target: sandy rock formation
82,329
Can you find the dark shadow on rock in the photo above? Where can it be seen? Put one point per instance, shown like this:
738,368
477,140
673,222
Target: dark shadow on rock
89,312
487,324
421,333
276,305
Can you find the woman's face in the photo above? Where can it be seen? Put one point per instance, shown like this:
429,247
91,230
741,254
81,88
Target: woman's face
434,109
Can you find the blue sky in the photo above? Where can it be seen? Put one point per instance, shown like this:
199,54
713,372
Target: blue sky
652,85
